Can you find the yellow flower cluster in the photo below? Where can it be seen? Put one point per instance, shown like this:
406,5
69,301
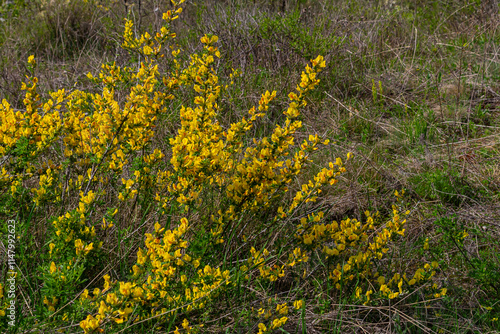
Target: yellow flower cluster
278,316
344,242
258,259
73,243
161,270
104,143
202,153
38,124
197,150
147,45
96,134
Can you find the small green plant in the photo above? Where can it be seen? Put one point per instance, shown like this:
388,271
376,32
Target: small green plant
304,41
449,187
482,267
377,93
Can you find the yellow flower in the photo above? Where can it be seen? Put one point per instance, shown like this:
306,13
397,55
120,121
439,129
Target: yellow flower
393,295
88,248
282,308
89,324
53,268
298,304
358,292
279,322
84,295
185,324
125,288
78,246
31,60
138,293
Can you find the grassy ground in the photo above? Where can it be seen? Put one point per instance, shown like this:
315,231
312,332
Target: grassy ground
412,89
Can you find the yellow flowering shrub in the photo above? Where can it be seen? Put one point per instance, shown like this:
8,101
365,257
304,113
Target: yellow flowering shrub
91,156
